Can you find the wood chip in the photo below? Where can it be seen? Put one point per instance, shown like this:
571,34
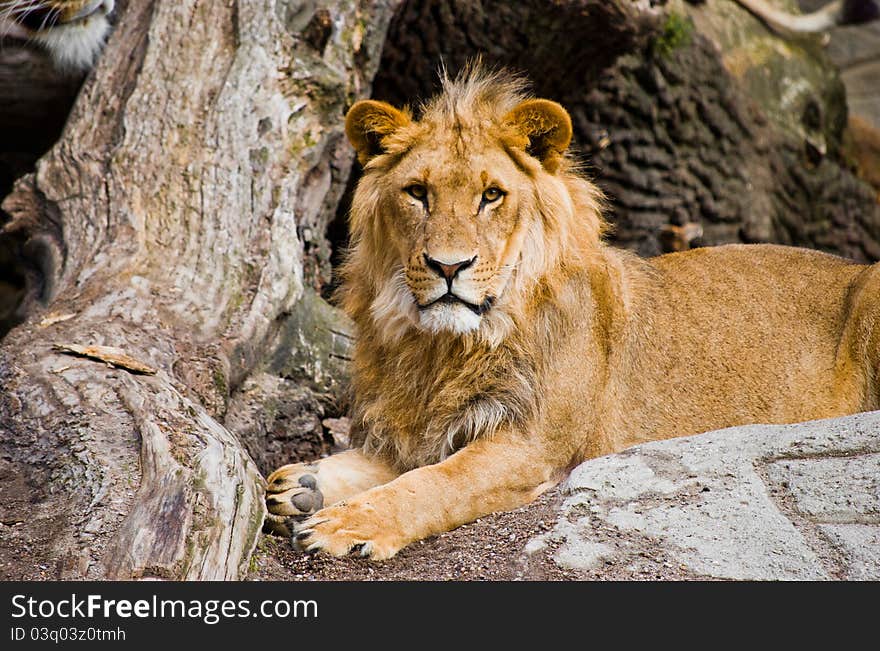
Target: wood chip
52,319
115,357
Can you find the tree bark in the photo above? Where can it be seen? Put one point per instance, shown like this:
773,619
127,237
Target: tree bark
174,220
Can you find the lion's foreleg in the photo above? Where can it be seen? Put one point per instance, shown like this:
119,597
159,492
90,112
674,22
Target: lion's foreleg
300,489
484,477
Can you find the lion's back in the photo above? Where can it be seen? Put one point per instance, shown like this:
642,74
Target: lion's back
794,278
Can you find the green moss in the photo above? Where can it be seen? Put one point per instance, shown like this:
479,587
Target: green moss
676,33
252,565
255,526
307,141
220,382
181,569
199,482
259,158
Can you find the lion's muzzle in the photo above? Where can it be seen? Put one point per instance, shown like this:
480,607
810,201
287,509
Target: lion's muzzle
451,300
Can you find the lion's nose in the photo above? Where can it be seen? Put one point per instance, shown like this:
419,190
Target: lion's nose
448,270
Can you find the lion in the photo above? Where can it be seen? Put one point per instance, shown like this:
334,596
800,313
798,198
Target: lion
72,31
502,341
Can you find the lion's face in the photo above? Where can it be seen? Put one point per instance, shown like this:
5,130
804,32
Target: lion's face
455,205
72,30
453,217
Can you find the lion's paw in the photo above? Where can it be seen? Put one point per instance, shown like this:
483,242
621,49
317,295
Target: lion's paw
293,492
344,529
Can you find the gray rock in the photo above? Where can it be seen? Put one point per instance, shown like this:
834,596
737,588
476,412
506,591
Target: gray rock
760,502
861,545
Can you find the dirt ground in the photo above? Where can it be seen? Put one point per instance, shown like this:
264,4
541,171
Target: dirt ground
23,552
489,549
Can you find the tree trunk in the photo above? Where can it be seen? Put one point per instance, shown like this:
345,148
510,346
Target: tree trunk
172,221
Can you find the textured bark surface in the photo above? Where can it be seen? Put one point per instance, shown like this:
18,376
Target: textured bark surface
683,112
688,146
180,219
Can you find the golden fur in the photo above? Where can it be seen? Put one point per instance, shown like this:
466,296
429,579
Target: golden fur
564,348
72,31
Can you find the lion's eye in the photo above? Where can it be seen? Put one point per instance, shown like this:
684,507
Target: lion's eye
416,191
492,194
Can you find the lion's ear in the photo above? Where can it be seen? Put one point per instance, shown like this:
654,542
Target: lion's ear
367,124
548,128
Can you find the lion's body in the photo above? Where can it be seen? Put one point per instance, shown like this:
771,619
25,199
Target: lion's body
72,31
718,337
690,342
740,334
501,341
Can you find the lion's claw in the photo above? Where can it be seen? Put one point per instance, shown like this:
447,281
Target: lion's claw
302,535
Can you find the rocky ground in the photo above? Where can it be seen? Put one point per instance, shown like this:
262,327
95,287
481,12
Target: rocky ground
793,502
